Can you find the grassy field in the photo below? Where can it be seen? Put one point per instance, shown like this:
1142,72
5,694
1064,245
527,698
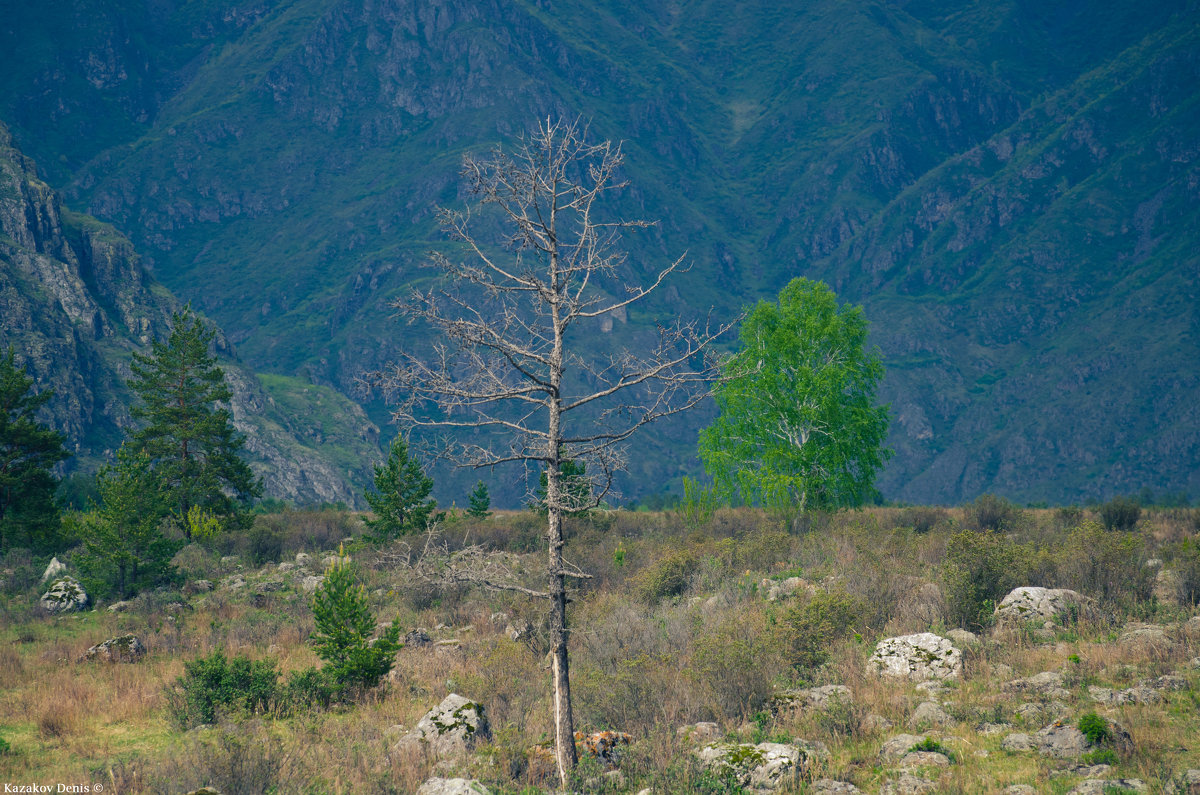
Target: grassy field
674,628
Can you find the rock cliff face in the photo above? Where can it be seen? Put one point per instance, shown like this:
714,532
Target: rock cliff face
75,302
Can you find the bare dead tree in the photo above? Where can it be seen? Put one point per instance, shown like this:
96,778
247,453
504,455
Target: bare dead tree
508,363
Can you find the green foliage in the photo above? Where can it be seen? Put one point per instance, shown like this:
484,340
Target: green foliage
798,427
1105,564
979,570
699,502
668,576
1095,728
930,745
28,452
922,518
1101,756
124,548
479,503
811,628
344,629
213,685
574,485
201,523
989,512
1120,513
1185,559
401,498
310,687
193,448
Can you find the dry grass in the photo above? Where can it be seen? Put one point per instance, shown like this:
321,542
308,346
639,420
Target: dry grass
715,651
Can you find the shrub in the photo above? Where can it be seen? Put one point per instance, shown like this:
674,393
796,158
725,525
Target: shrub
763,547
923,518
1120,513
1104,564
264,544
1101,756
932,746
669,576
731,664
1095,728
810,629
344,629
979,570
1186,562
990,512
212,684
310,687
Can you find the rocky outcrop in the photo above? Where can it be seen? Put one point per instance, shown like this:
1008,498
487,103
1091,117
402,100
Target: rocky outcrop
53,570
452,786
917,657
1042,604
764,767
66,595
123,649
450,729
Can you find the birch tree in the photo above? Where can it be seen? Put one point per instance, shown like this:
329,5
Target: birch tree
512,378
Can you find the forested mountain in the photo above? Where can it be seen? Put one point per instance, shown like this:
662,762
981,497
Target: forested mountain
1008,187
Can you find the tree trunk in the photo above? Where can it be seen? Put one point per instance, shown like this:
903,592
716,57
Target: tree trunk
564,724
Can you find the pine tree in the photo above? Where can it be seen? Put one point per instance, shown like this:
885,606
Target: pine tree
344,629
192,445
401,499
479,503
28,452
122,536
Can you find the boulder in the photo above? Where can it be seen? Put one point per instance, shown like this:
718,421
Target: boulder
451,728
1100,786
124,648
1019,789
452,786
1017,742
781,589
65,595
1116,698
1042,605
963,637
1047,684
929,713
918,657
605,746
908,784
54,570
819,698
924,759
303,559
417,638
895,748
765,767
311,582
198,586
1186,783
828,786
1061,741
120,607
1144,635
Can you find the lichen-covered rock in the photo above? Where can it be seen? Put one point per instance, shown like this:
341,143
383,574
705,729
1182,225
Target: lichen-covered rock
53,570
908,784
774,590
765,767
124,648
1144,635
924,759
452,786
65,596
1061,741
963,637
820,698
451,728
311,582
918,657
1041,605
120,607
1017,742
1132,695
828,786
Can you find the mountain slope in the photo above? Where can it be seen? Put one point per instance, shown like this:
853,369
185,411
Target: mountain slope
75,303
278,165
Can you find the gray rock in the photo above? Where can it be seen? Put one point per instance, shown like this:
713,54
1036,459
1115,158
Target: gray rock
828,786
417,638
285,567
518,630
1041,605
66,595
1166,682
924,759
1019,789
908,784
124,648
233,582
120,607
764,767
303,559
894,748
874,722
988,729
451,728
311,582
1017,742
1099,786
702,733
1144,635
1031,713
1186,783
917,657
1048,684
1132,695
929,713
452,786
1002,671
818,698
200,586
1061,741
781,589
53,570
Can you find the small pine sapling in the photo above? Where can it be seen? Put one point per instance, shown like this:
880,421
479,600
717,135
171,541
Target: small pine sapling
479,503
344,629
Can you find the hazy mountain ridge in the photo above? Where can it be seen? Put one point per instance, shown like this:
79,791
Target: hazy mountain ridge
75,303
279,166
